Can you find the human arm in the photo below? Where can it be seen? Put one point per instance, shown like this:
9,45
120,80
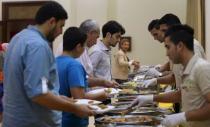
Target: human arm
202,78
167,79
166,97
95,58
92,81
200,114
40,81
56,102
164,67
79,93
77,84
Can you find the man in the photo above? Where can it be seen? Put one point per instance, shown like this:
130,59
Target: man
91,28
194,92
159,70
153,30
164,24
72,75
100,56
31,80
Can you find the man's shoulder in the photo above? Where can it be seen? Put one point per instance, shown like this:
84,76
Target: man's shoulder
95,50
201,66
120,52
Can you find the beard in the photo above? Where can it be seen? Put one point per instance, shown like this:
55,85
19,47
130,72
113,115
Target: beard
51,36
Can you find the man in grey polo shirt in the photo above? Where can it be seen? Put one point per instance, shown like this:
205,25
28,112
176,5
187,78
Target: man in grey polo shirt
194,92
31,81
101,54
92,29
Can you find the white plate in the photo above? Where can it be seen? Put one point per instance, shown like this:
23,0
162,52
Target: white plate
87,101
113,90
98,110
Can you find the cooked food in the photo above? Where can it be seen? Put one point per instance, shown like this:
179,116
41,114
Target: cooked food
147,92
102,106
135,119
129,84
128,91
108,90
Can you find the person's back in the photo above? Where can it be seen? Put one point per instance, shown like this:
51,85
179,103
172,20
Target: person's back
68,68
18,93
31,92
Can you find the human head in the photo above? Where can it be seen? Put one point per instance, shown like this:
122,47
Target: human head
152,28
52,16
91,28
178,40
124,45
74,40
165,22
112,32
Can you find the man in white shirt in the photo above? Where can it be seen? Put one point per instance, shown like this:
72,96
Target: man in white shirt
194,92
100,55
92,29
164,24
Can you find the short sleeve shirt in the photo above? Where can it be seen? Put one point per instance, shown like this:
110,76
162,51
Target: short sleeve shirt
101,60
71,75
178,68
195,85
29,71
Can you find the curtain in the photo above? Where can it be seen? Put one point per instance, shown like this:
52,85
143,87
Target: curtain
196,19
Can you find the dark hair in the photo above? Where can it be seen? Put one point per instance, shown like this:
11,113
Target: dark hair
49,10
152,24
72,37
182,33
112,27
169,20
122,41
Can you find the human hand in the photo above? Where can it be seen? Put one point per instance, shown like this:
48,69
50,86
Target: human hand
158,67
149,83
153,72
174,120
111,84
136,65
83,111
142,100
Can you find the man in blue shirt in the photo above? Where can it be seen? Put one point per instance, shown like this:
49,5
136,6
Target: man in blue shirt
72,75
31,80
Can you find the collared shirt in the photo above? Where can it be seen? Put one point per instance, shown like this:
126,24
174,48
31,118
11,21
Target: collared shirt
178,68
101,60
30,70
195,85
84,59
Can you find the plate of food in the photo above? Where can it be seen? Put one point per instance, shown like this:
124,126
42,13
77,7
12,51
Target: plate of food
130,84
101,108
108,90
128,92
130,120
87,101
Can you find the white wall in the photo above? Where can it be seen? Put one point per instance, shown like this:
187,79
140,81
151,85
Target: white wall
134,15
207,12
